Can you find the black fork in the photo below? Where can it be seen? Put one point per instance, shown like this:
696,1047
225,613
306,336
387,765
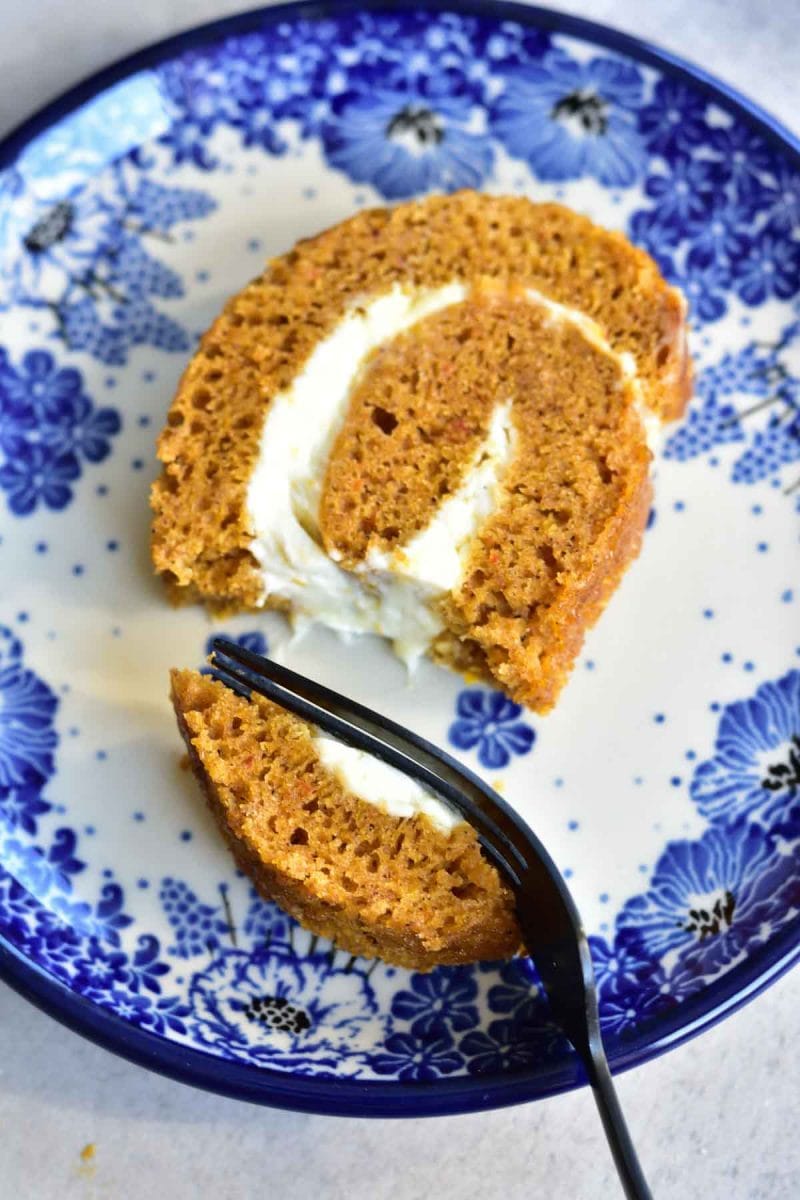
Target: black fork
551,926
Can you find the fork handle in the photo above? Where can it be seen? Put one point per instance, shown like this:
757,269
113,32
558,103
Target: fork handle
626,1161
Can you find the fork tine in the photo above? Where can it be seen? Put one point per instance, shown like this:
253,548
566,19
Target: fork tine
240,680
231,681
360,727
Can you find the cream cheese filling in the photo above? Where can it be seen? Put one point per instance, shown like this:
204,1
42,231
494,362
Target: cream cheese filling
435,557
391,594
384,786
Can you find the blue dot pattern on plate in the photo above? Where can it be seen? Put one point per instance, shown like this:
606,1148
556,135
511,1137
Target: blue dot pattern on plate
740,867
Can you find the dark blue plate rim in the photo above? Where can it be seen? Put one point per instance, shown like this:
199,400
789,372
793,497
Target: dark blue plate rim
444,1096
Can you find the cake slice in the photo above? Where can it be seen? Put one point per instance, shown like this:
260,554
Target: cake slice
395,875
429,423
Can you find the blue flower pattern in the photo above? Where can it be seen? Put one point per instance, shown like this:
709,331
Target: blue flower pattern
517,990
709,900
755,771
674,121
513,1044
406,103
49,428
631,1010
490,722
283,1010
439,1003
197,927
568,119
404,140
27,737
266,992
87,261
724,208
759,374
406,1057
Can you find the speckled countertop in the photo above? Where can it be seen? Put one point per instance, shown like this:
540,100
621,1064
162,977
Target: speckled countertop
714,1119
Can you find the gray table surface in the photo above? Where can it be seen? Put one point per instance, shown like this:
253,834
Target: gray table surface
715,1118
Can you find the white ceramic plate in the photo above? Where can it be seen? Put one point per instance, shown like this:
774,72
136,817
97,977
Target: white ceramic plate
667,781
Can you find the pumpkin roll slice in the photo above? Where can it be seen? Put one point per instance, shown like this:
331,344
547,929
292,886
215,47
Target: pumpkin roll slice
428,423
354,850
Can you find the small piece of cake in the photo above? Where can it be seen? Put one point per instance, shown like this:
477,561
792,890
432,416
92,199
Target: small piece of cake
394,875
429,423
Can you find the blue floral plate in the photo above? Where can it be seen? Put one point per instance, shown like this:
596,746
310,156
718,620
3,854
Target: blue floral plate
666,783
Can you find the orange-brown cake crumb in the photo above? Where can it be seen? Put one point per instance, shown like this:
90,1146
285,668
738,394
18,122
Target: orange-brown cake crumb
377,885
575,495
